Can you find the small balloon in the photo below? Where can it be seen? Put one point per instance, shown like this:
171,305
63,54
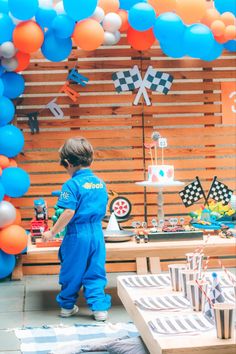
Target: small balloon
7,50
109,5
15,181
214,53
228,18
230,46
8,214
225,6
198,40
54,48
210,16
169,26
140,40
45,16
141,17
98,14
230,33
14,85
28,37
13,239
173,48
4,161
23,9
109,38
23,60
59,7
124,18
7,264
63,26
6,28
10,64
191,11
112,22
88,34
7,110
11,141
218,28
80,9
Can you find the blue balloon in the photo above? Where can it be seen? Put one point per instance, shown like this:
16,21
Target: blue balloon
7,264
14,84
225,6
230,46
6,28
142,17
80,9
45,16
2,192
214,53
1,87
198,40
4,6
63,26
173,48
56,49
11,141
2,70
23,9
15,181
127,4
169,26
7,111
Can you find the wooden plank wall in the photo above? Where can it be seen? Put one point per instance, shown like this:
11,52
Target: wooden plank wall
189,116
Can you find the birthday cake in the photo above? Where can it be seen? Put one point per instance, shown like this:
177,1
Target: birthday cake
161,173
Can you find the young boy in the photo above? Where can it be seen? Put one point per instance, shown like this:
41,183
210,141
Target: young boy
82,252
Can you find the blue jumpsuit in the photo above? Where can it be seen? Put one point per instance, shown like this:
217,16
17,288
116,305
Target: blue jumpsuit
82,252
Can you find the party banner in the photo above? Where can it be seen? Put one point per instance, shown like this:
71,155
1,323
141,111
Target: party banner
228,98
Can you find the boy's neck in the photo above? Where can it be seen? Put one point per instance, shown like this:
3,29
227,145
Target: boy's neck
72,169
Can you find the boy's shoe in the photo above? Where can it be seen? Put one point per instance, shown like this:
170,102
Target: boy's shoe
100,315
69,313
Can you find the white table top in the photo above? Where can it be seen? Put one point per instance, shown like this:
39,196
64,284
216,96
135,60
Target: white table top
160,185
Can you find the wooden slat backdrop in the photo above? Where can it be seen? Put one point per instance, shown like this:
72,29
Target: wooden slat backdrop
189,116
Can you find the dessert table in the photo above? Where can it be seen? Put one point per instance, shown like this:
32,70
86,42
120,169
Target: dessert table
202,342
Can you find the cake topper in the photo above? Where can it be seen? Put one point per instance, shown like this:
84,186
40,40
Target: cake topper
157,141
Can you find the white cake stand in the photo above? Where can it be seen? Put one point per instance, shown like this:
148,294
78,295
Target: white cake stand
160,186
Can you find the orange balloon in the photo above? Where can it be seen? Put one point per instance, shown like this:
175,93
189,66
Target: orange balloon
17,220
109,5
12,163
0,171
23,61
210,16
218,28
28,37
221,39
191,11
140,40
6,198
228,18
161,6
13,239
230,33
88,34
124,18
4,161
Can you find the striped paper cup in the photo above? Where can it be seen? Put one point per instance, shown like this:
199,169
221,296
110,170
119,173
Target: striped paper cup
224,319
174,270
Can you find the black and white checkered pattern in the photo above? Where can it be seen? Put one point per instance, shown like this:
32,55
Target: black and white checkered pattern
219,192
192,193
158,81
127,80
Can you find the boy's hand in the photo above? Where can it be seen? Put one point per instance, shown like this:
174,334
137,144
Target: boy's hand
47,236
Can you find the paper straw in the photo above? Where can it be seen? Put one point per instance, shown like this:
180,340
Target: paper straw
200,249
205,267
233,281
204,293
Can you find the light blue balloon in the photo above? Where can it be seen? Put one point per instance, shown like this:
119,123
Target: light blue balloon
45,16
14,84
56,49
141,17
230,46
173,48
4,6
11,141
63,26
6,28
168,26
214,53
2,70
2,192
127,4
15,181
225,6
7,264
7,111
80,9
23,9
1,87
198,40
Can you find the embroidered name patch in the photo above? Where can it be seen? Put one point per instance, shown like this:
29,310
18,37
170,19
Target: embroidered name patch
89,185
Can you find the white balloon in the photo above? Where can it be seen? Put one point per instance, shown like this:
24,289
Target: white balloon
15,20
117,36
45,4
7,50
7,213
60,8
232,202
9,64
98,14
109,38
112,22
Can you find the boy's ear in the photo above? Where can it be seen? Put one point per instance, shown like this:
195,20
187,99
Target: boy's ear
65,163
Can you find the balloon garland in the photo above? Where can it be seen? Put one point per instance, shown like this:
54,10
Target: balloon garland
182,27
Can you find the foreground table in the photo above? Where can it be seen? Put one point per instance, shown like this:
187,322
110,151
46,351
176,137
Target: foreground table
130,256
205,342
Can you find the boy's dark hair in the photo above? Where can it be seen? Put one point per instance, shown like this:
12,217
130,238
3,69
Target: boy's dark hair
77,151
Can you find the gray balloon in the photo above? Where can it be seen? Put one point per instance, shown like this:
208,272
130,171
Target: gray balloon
7,213
7,50
9,64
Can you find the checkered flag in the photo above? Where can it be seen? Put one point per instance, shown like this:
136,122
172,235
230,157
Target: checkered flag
219,192
192,193
158,81
127,80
